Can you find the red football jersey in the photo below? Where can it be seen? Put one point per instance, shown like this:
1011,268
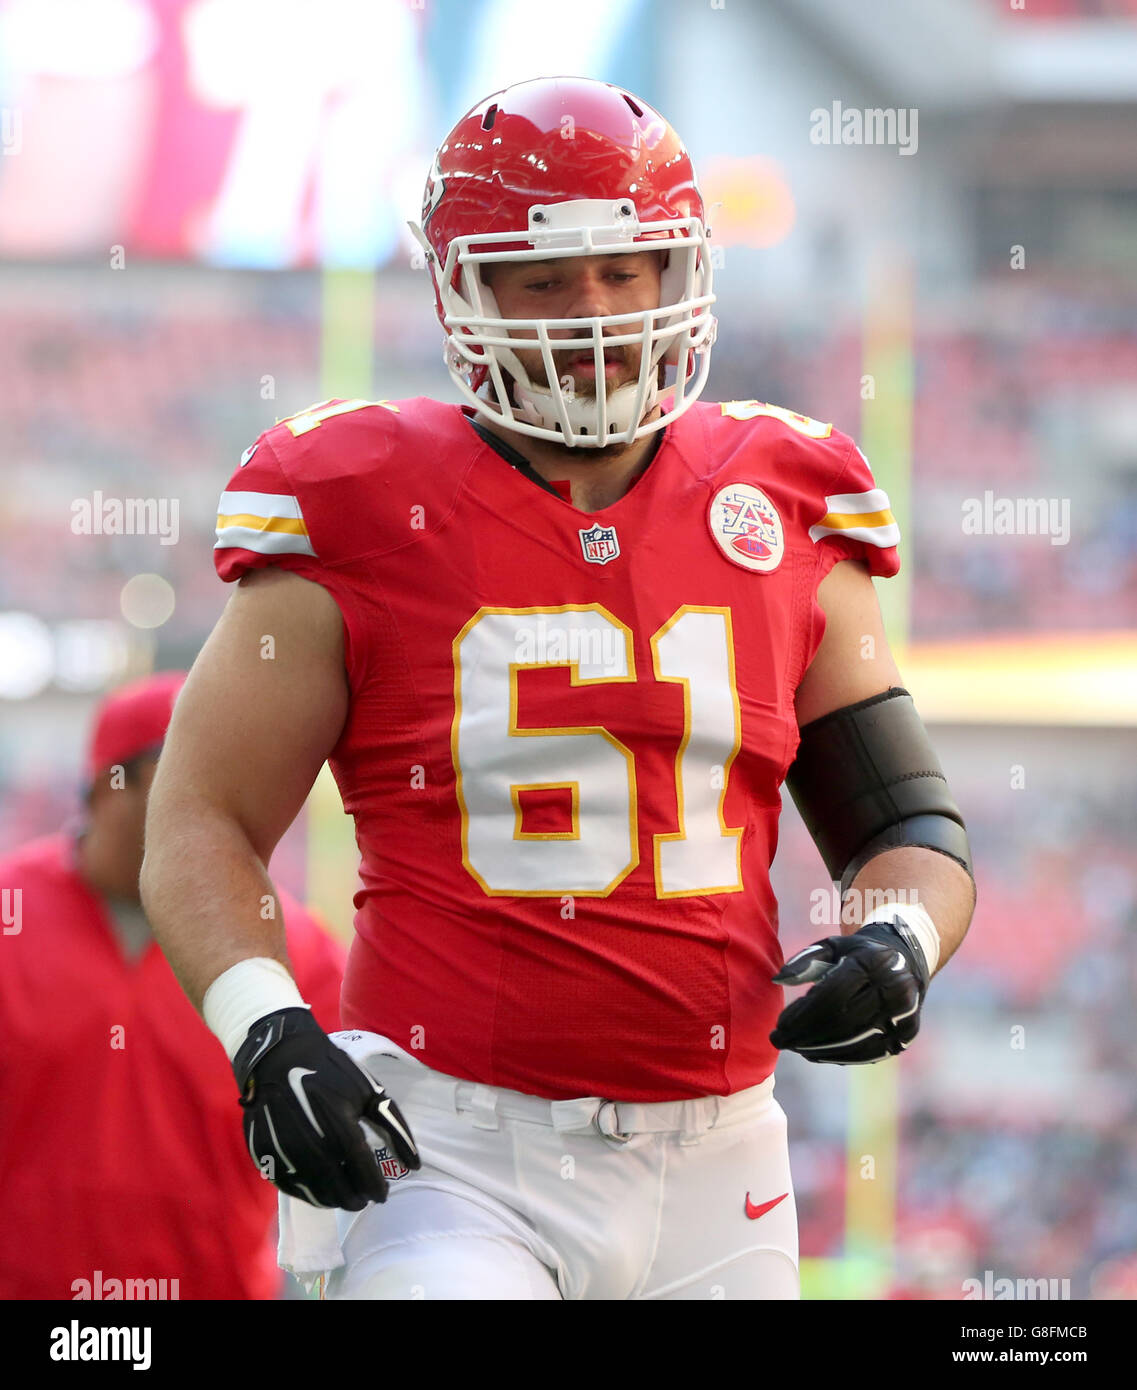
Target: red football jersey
567,730
122,1154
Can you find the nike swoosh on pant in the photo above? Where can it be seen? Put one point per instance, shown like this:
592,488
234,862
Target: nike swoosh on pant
754,1212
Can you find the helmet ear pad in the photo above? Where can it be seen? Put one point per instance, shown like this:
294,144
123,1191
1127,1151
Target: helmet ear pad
674,289
476,298
485,302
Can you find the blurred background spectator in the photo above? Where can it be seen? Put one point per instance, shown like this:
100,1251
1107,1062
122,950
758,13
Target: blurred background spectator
123,1166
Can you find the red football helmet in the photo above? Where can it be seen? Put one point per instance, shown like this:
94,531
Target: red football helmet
565,166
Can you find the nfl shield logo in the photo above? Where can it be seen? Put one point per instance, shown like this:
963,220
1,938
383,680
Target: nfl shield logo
599,544
392,1169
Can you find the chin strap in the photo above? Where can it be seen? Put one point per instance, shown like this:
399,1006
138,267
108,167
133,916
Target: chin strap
510,454
535,405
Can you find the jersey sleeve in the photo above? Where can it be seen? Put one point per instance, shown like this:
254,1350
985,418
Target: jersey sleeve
260,520
264,518
854,521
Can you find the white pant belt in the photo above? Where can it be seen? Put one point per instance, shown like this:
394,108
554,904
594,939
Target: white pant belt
615,1119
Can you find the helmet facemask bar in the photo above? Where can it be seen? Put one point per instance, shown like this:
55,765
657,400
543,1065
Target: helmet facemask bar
482,344
654,331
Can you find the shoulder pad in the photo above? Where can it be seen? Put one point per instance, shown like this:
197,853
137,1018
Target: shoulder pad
822,479
345,479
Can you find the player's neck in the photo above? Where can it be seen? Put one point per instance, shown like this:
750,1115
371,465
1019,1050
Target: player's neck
596,477
113,877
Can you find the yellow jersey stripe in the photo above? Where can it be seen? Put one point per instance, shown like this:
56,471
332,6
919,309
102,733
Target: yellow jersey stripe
843,521
289,525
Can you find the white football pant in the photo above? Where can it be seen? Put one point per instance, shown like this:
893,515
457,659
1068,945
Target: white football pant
524,1198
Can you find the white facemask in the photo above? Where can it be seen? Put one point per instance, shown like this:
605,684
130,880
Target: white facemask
679,333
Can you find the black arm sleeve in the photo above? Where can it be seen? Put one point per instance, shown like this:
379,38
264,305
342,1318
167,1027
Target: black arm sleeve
866,779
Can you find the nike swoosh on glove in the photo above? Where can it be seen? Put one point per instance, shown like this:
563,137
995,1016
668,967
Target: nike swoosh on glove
305,1102
865,1003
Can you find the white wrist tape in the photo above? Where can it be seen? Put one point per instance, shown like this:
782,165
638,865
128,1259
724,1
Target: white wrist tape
923,928
245,992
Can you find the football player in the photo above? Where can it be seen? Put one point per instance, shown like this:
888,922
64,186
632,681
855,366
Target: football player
561,645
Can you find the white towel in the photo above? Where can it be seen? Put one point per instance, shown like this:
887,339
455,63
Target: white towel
309,1242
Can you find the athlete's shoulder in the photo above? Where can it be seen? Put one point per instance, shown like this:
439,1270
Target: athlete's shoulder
337,440
340,480
820,481
771,435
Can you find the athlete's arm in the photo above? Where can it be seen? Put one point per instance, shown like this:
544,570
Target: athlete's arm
871,757
263,706
853,663
854,660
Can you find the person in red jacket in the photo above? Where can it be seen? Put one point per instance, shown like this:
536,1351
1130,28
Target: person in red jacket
123,1172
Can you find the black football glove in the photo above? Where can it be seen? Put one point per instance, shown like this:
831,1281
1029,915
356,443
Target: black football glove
865,1004
304,1100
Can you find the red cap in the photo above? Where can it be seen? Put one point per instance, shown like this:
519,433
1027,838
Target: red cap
132,720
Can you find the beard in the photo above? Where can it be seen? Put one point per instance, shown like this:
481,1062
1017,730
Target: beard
571,378
585,386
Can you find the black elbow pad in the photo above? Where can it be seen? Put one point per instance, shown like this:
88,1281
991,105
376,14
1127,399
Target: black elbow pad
866,779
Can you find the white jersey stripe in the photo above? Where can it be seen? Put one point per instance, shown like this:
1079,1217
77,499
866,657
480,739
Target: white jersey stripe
266,504
264,542
875,500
